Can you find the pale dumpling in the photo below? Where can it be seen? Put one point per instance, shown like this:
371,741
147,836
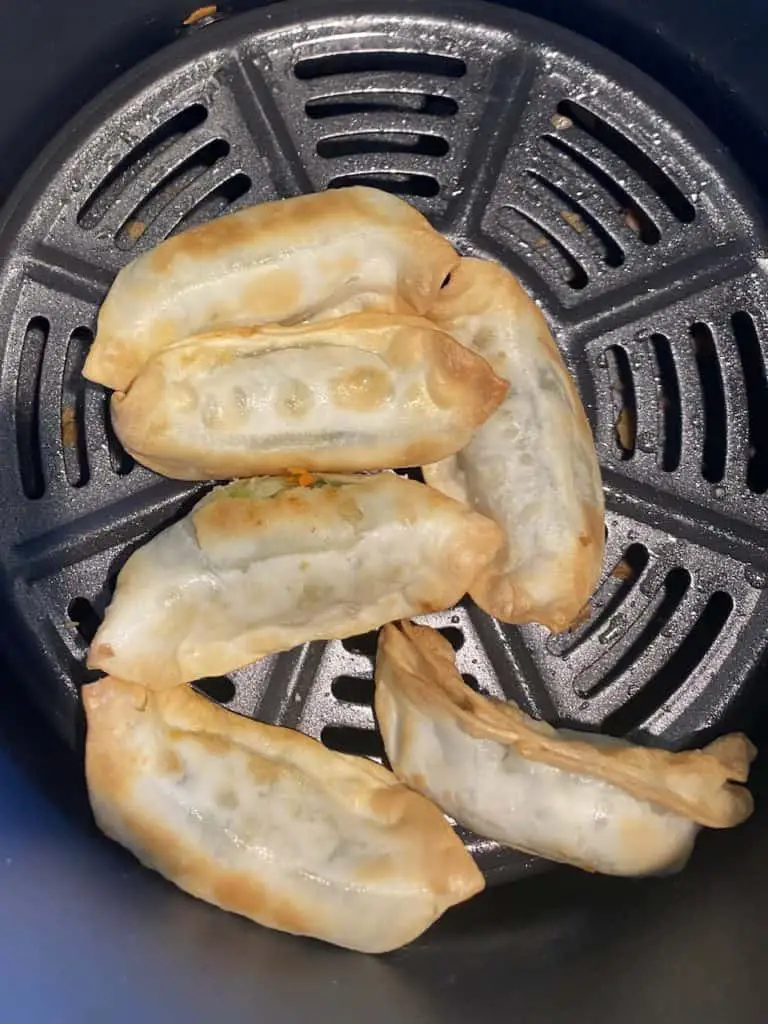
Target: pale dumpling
532,466
268,823
265,564
365,391
297,259
583,799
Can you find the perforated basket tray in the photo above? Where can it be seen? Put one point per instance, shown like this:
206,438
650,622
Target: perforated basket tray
522,143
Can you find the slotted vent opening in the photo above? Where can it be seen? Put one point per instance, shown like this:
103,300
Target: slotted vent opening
713,397
624,400
380,102
413,143
399,183
120,461
752,361
670,417
85,617
401,62
218,688
580,220
215,203
652,174
27,407
348,740
453,635
107,193
353,689
606,602
73,439
363,645
687,657
536,239
473,683
675,587
185,174
630,212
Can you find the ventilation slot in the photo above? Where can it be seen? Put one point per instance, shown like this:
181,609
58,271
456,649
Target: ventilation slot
28,407
453,635
607,600
657,179
422,186
73,409
624,400
413,143
218,688
215,203
344,104
713,396
363,645
187,172
674,589
537,239
85,617
578,218
348,740
753,368
473,683
108,192
672,677
353,689
670,419
633,216
364,62
120,461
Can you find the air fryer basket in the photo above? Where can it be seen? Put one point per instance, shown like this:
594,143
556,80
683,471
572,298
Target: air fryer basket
522,143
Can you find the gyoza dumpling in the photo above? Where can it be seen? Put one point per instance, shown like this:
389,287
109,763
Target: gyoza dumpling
263,565
282,262
532,467
366,391
268,823
584,799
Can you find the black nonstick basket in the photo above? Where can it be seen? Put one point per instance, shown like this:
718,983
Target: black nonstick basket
617,209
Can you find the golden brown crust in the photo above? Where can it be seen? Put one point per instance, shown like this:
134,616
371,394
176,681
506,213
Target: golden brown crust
160,419
114,767
486,291
229,520
226,518
698,784
278,230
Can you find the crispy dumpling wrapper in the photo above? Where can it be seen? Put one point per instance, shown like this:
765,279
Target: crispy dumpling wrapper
268,823
366,391
262,565
584,799
295,259
532,466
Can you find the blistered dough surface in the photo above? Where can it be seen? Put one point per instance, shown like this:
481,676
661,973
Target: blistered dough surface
268,823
